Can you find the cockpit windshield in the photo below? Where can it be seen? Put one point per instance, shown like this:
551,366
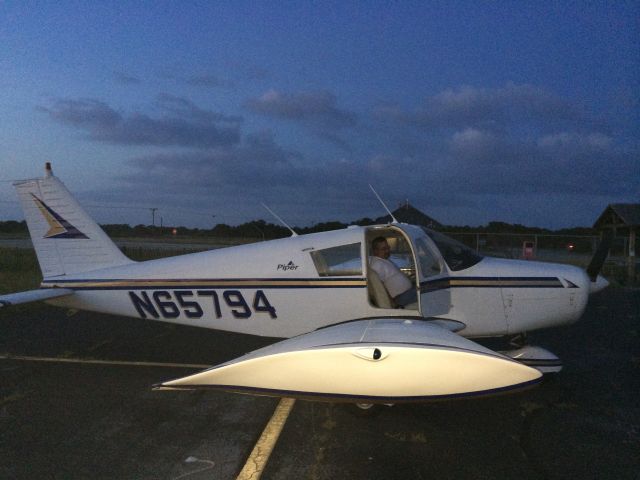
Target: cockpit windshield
457,255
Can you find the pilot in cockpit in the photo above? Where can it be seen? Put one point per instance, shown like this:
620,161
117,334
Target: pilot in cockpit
396,283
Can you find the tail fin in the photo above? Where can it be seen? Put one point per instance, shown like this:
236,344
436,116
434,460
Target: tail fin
65,238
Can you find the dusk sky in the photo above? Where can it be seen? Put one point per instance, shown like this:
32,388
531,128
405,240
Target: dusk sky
522,112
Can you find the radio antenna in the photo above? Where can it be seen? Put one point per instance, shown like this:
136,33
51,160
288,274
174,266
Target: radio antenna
293,233
383,204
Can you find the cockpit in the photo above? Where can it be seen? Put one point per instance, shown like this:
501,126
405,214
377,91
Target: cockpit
420,253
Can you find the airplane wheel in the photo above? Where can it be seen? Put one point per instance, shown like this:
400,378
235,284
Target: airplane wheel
364,409
367,409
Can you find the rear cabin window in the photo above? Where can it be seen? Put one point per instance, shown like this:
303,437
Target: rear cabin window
341,261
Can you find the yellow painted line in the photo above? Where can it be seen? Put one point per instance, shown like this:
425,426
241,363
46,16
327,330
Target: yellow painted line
260,454
101,362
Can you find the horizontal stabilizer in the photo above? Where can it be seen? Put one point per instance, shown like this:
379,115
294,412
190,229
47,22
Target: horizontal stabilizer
380,360
33,296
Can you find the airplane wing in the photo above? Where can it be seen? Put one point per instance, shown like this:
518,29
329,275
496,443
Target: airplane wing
33,296
385,360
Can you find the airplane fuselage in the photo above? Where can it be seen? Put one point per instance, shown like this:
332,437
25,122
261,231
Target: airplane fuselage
283,288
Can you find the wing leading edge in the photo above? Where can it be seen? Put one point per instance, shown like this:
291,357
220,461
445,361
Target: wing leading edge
378,360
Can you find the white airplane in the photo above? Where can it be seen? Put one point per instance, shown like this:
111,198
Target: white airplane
345,340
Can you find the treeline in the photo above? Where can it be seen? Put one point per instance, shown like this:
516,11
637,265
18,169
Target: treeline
263,230
502,227
13,227
255,229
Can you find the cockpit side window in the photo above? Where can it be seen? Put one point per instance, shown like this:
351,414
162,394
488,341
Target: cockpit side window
457,255
344,260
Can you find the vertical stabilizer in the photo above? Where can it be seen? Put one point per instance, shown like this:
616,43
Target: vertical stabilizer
65,238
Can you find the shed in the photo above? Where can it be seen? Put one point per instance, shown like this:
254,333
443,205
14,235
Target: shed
622,218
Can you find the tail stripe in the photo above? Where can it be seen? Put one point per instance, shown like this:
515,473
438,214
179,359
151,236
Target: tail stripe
60,228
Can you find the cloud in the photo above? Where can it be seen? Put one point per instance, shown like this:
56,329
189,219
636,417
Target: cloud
482,163
317,111
484,108
237,178
207,81
257,163
568,140
181,123
250,72
533,179
518,151
472,142
509,141
235,73
261,170
183,108
316,108
487,149
126,79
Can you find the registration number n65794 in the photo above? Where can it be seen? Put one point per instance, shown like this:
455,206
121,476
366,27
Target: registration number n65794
170,304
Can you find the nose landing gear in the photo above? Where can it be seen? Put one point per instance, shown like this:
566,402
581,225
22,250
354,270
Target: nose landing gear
532,355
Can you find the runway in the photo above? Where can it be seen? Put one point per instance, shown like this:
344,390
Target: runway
76,402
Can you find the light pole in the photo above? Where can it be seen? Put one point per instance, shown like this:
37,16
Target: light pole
153,216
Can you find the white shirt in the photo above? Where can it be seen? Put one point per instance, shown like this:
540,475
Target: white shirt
393,279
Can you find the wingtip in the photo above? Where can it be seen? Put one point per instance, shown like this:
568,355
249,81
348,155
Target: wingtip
164,387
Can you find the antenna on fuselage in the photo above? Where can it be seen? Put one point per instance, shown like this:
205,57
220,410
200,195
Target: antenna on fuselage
293,233
383,204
